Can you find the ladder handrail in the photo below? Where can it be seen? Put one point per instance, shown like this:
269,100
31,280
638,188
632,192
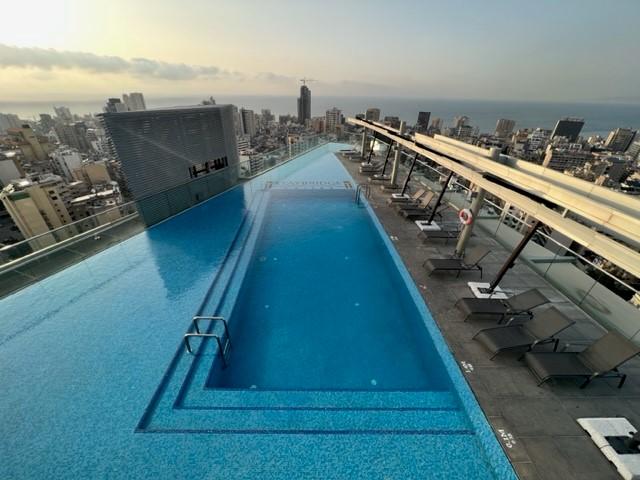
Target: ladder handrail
195,319
362,188
187,336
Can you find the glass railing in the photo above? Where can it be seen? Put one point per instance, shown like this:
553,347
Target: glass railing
83,227
608,295
261,162
35,258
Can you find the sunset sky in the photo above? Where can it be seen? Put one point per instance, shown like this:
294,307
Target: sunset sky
569,50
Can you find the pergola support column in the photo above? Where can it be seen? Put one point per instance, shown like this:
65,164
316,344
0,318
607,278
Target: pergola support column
463,239
364,143
397,158
440,197
386,160
375,137
514,255
406,182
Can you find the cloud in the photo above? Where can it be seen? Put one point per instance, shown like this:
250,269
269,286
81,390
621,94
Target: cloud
275,77
48,59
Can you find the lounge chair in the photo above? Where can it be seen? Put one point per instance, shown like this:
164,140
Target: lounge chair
601,359
370,167
421,204
517,305
421,211
525,336
470,261
379,178
428,235
407,200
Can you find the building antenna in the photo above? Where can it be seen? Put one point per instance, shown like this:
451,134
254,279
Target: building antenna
304,80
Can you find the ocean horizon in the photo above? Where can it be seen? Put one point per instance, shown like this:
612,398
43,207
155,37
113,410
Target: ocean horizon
600,118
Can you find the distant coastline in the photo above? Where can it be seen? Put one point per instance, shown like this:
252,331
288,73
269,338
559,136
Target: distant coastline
600,117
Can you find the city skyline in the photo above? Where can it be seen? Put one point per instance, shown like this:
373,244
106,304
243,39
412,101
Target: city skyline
468,50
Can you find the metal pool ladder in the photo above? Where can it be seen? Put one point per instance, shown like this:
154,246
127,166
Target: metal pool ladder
363,189
224,344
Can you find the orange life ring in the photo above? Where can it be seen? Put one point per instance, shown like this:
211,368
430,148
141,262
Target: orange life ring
465,216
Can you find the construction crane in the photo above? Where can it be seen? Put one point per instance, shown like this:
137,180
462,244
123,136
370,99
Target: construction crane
304,80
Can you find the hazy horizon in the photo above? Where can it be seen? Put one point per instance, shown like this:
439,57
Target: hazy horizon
498,50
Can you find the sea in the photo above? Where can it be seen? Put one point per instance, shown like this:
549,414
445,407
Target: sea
600,118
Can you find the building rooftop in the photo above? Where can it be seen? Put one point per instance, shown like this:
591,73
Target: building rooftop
163,110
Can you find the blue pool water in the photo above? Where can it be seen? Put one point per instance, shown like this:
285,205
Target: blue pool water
323,307
336,368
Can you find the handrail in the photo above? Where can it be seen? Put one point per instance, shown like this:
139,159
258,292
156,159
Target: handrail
195,319
362,188
187,336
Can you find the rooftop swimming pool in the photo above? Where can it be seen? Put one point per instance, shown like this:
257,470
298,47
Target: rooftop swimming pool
334,367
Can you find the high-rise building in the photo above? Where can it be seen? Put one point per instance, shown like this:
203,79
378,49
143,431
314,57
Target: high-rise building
46,122
317,124
134,101
267,116
537,139
436,125
504,128
332,119
372,114
620,139
190,151
74,135
63,113
35,149
65,160
7,121
115,105
634,150
247,122
569,128
37,206
304,105
562,159
392,121
10,168
423,121
460,121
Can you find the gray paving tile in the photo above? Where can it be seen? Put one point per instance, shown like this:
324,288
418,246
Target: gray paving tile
584,459
549,463
540,416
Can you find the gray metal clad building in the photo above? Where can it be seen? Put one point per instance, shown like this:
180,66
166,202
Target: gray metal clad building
173,158
569,128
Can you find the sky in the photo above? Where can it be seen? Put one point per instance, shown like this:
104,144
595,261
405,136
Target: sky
549,50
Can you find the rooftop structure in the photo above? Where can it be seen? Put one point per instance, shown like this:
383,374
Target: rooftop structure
169,148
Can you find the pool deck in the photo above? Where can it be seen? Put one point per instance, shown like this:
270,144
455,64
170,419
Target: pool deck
536,425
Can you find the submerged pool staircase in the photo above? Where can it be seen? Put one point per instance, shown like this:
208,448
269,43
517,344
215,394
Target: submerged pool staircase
223,343
188,400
